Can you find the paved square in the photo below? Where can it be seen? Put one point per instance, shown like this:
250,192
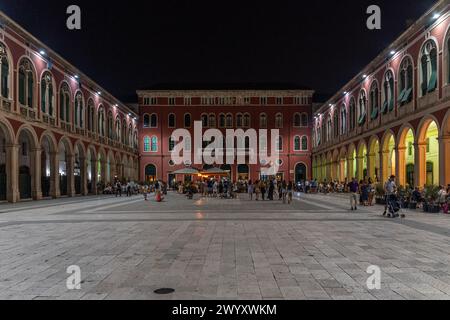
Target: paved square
219,249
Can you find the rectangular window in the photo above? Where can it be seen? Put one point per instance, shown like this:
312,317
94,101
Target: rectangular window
247,100
263,101
172,101
188,101
279,101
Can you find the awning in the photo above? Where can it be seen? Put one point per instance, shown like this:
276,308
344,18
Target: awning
215,172
186,171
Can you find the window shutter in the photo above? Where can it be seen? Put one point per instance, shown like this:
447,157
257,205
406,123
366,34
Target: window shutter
402,95
384,109
407,96
433,77
30,89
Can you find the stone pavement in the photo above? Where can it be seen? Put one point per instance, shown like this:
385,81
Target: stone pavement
220,249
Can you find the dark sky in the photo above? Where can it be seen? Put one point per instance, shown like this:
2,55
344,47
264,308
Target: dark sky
126,45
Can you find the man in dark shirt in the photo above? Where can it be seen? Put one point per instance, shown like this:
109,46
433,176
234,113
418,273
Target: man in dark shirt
353,189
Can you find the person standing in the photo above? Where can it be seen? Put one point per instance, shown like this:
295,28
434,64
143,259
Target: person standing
284,191
353,189
263,190
390,189
257,189
271,190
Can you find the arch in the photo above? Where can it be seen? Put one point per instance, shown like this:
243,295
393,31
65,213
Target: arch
65,100
172,120
388,155
444,151
361,161
301,172
373,158
111,167
243,172
79,169
351,162
388,91
406,155
428,153
187,120
335,170
342,164
374,101
446,58
151,173
29,175
6,138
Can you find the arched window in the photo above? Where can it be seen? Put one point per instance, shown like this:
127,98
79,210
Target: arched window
204,120
428,67
154,147
101,121
124,133
304,143
64,103
26,84
279,121
329,129
343,119
247,120
130,135
79,111
297,120
263,121
279,144
187,120
405,82
222,122
362,108
171,144
146,121
336,123
297,143
373,101
239,120
388,93
172,121
305,120
352,114
91,116
229,123
147,144
212,120
118,130
110,126
47,94
4,72
154,121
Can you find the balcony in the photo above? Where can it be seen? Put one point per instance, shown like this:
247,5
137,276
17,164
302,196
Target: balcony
28,113
427,100
446,91
49,120
388,117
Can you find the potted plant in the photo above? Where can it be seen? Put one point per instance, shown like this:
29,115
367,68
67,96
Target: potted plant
379,194
431,196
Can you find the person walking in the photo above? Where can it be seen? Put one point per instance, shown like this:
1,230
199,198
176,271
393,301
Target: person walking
118,189
284,191
271,190
290,192
263,190
257,189
250,190
371,189
353,189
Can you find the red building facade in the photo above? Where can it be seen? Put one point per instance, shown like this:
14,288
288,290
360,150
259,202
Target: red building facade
161,112
61,134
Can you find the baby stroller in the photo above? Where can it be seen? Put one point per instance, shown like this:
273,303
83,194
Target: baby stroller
394,207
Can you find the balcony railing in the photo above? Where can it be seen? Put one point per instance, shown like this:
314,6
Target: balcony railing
6,104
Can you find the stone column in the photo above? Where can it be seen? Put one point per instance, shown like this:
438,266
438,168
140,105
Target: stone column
371,162
94,178
55,192
385,165
359,168
420,160
444,160
36,174
350,168
70,175
12,170
400,165
84,177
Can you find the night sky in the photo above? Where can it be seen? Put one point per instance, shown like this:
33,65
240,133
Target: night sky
127,45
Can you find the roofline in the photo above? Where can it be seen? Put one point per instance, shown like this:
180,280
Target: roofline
39,45
227,91
439,6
